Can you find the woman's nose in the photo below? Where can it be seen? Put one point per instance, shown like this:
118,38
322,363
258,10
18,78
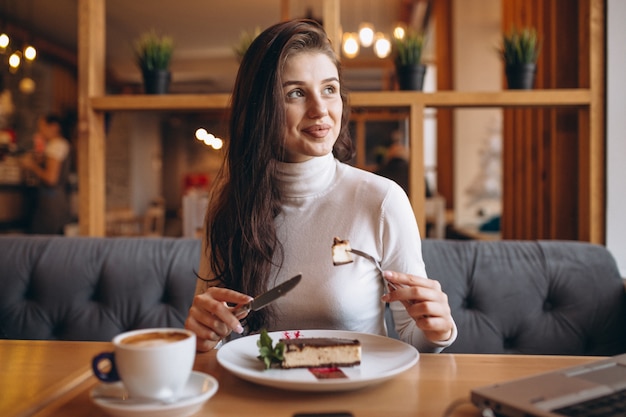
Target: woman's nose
317,107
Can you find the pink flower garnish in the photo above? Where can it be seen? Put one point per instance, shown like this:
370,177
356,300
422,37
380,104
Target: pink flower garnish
296,335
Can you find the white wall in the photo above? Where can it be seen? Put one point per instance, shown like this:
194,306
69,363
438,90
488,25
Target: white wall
146,153
477,31
616,132
133,164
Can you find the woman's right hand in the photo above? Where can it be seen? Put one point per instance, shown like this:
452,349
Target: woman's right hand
210,317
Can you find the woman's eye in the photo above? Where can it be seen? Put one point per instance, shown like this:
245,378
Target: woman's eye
295,94
330,89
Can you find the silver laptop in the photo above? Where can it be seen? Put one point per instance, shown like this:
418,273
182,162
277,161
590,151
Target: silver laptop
574,391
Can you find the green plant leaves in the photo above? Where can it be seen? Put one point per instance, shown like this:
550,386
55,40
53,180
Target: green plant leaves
153,52
245,40
520,46
409,49
268,353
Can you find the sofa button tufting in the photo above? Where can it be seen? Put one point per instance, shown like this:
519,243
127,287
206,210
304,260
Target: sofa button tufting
547,306
508,343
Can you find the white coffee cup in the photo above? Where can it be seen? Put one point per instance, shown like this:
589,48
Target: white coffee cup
151,363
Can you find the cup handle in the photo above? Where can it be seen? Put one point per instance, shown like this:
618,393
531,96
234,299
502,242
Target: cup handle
112,375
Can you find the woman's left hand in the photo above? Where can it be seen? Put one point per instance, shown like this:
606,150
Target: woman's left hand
425,302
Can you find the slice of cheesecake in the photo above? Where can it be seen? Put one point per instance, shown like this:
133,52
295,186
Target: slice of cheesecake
341,251
321,352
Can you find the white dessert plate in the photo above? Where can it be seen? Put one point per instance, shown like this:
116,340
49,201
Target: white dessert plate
381,358
111,398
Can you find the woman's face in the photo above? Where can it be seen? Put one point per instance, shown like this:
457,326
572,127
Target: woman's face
313,106
47,130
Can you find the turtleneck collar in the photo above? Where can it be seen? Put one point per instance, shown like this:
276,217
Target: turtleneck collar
307,178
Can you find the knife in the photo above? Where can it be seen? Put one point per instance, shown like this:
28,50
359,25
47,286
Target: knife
268,297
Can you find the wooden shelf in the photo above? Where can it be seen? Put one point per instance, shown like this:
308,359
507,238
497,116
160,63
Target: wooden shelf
160,102
508,98
457,99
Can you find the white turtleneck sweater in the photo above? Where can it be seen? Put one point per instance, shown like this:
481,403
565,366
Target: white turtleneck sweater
324,198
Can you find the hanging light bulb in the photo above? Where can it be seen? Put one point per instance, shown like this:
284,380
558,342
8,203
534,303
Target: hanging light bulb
27,85
14,60
382,45
201,133
30,52
366,34
350,44
217,144
208,140
4,40
399,31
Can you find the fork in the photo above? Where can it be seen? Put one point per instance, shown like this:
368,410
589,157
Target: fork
374,261
380,269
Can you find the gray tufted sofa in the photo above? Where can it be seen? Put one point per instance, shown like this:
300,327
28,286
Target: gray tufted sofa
545,297
93,288
531,297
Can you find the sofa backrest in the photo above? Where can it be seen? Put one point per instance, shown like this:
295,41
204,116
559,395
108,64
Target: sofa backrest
531,297
93,288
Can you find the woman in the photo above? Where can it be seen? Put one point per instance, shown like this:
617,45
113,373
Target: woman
52,205
282,197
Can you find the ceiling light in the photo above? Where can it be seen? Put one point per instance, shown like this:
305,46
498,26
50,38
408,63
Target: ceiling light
27,85
213,142
4,40
15,59
16,62
382,46
366,34
399,31
350,45
30,52
217,144
209,139
201,134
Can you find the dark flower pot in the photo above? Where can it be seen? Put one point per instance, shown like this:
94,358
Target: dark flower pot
156,81
521,77
411,77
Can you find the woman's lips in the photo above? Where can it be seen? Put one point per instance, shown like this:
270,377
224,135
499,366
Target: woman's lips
317,131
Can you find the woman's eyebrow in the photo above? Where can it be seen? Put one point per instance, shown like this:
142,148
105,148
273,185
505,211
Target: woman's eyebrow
324,81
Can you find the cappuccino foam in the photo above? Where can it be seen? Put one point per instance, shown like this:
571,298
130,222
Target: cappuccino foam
154,339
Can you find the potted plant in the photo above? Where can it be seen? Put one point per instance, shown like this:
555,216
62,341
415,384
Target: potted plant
245,40
408,61
153,54
520,51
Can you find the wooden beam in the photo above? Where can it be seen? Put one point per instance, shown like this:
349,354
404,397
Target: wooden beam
417,185
91,149
285,10
595,205
331,14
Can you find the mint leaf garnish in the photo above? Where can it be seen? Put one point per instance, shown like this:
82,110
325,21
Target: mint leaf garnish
268,353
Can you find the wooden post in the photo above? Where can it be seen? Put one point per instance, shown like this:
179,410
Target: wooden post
594,205
417,185
285,10
91,149
331,13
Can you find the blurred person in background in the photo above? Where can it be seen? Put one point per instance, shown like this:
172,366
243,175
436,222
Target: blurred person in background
51,168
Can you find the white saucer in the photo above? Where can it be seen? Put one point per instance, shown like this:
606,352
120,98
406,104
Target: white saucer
199,388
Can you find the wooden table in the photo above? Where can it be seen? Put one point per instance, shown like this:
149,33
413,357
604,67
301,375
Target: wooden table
48,378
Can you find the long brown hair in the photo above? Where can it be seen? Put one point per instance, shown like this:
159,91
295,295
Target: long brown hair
243,245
